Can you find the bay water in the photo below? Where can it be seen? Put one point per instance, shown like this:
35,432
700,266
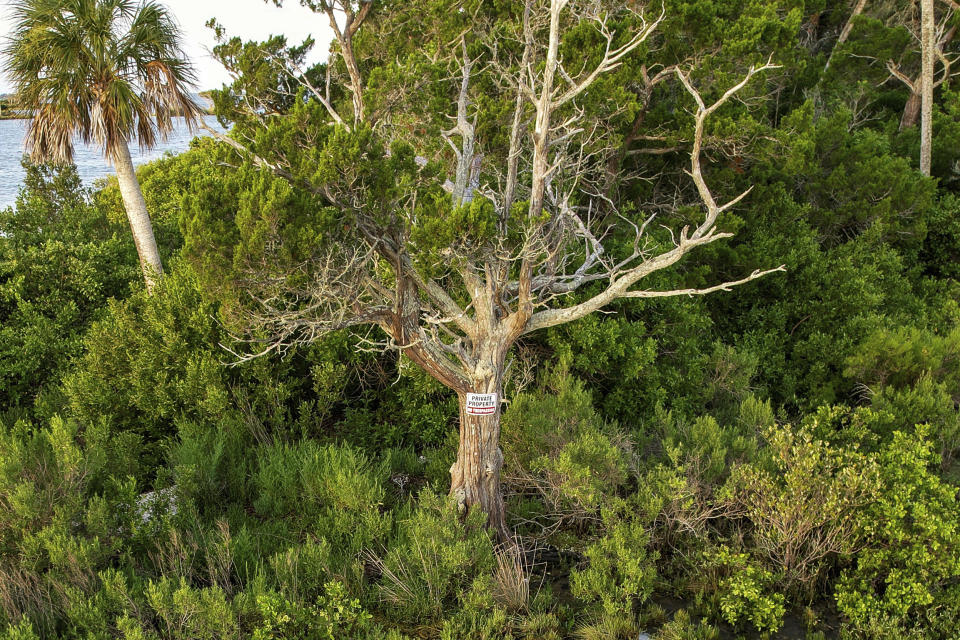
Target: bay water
89,158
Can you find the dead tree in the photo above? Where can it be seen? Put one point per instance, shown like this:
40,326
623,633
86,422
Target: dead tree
934,39
458,317
928,49
847,28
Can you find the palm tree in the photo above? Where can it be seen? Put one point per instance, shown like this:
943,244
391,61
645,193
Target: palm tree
108,71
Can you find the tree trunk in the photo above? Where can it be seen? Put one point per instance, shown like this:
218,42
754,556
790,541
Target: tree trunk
911,112
845,32
475,476
928,54
137,214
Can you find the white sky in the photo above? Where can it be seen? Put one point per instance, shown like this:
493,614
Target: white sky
248,19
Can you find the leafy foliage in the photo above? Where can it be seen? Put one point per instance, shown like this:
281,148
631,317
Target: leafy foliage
776,457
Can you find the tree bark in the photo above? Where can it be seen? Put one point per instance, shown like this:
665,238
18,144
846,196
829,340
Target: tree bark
475,476
136,208
928,52
911,112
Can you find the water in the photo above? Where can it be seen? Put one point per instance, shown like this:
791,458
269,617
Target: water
89,159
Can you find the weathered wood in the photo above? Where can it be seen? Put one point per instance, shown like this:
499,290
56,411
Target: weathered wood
928,51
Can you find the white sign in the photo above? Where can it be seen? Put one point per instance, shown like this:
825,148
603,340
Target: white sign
481,404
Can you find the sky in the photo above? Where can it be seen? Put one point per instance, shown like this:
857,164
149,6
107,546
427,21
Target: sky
249,19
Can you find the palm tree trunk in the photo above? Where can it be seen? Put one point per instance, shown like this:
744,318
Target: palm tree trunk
137,214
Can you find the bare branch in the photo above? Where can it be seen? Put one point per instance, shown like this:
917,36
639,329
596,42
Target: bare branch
612,58
468,169
620,285
703,112
621,276
847,28
516,130
441,298
345,39
302,78
258,160
894,70
726,286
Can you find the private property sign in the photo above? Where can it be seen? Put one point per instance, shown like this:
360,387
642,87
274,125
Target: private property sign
481,404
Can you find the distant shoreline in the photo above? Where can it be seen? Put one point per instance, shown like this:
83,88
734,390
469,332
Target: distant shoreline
89,159
5,107
19,116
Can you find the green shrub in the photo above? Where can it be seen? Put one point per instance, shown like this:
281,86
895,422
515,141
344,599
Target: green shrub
302,569
333,491
479,617
62,516
333,616
683,628
558,448
434,559
804,511
621,569
713,450
900,357
23,630
748,592
608,627
926,402
505,605
186,613
61,260
149,362
911,561
208,465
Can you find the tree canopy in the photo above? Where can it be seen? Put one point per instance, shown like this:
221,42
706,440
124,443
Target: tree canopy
776,460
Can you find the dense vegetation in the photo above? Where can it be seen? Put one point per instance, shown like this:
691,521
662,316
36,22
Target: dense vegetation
783,458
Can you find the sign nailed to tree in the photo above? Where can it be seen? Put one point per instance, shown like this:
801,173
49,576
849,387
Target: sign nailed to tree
481,404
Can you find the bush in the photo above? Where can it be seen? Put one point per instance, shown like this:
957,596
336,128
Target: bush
926,402
911,561
61,260
433,559
149,362
334,492
683,628
23,630
187,613
747,593
621,571
707,448
333,616
900,357
557,448
63,517
804,511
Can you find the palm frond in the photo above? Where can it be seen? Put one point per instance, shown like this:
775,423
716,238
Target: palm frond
106,71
